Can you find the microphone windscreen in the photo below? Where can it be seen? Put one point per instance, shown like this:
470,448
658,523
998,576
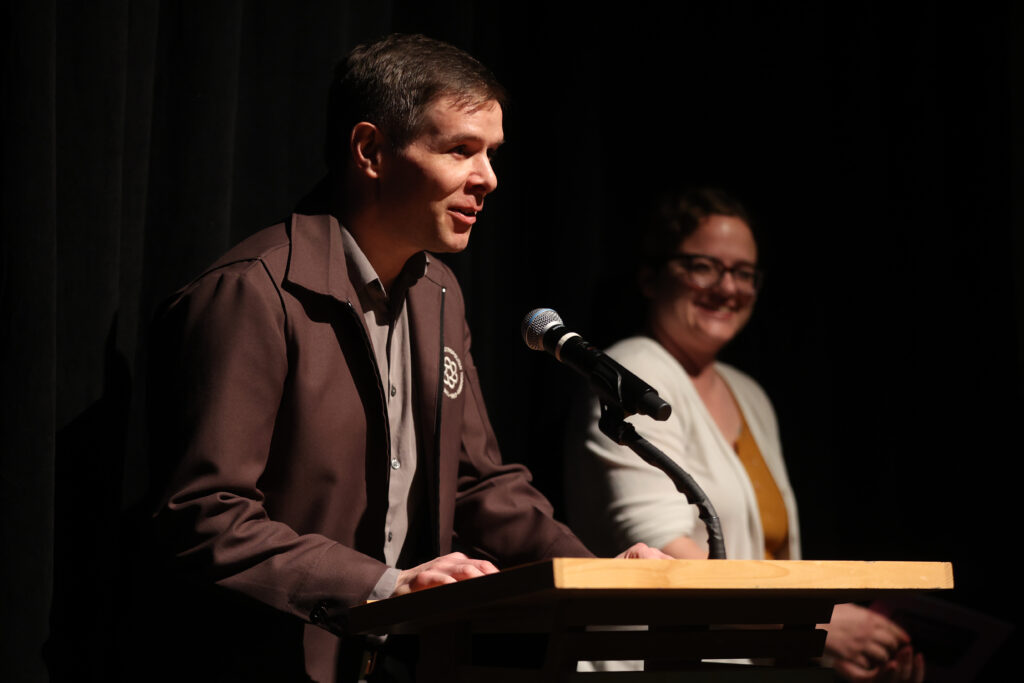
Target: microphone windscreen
536,323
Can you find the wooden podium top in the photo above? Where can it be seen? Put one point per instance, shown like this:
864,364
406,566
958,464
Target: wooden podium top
801,575
636,581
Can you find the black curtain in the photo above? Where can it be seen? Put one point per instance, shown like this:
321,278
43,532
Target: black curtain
879,150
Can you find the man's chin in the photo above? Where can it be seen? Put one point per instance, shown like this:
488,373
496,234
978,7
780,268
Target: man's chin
455,242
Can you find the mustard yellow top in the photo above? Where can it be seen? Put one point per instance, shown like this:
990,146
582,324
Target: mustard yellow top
769,499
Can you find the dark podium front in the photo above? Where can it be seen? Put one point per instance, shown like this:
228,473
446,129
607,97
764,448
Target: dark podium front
537,621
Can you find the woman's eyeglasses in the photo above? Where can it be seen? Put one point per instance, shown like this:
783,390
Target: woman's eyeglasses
705,272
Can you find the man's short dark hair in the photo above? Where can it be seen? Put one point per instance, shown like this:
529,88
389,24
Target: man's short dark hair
391,83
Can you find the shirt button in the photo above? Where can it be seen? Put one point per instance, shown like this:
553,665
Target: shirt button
395,464
393,390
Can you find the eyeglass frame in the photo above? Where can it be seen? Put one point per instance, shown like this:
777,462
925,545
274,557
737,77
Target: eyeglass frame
721,268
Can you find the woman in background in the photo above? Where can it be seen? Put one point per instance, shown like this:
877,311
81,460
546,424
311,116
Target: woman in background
700,277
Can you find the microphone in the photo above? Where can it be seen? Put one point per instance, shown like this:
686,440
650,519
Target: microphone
543,330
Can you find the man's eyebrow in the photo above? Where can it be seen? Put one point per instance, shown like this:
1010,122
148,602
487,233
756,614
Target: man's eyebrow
469,137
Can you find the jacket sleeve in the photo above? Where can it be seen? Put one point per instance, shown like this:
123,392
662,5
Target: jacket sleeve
225,371
498,512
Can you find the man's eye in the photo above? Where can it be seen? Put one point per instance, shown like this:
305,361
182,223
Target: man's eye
460,150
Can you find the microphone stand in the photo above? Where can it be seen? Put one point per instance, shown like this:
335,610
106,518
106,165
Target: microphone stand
613,424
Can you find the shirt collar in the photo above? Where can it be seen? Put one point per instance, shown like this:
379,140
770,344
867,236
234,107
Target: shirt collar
366,281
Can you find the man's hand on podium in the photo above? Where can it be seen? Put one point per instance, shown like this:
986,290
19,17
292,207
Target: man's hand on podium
642,551
445,569
458,567
867,646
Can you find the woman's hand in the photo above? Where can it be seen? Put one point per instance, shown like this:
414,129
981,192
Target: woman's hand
684,548
867,646
642,551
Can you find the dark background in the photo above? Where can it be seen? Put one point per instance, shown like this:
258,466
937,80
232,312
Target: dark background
878,149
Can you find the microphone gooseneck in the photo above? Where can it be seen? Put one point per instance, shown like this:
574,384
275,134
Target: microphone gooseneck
621,394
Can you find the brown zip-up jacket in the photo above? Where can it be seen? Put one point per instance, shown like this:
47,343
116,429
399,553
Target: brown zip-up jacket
274,415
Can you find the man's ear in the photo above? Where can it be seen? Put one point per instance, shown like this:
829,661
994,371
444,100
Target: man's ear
367,148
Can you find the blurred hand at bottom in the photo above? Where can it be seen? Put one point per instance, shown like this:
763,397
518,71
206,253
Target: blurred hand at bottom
867,646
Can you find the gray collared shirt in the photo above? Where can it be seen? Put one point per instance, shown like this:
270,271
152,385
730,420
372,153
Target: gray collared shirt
387,323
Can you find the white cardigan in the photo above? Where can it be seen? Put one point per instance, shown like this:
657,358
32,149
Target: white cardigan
615,499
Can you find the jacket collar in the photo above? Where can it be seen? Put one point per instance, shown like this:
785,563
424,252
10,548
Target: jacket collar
317,258
317,263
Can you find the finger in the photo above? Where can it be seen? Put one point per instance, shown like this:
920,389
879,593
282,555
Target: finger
629,553
634,551
877,653
861,659
441,570
485,566
885,630
852,671
642,551
918,676
456,556
452,559
429,579
887,641
467,567
465,571
428,574
905,663
420,581
886,633
892,630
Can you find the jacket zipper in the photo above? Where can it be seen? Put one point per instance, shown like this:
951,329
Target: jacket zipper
435,503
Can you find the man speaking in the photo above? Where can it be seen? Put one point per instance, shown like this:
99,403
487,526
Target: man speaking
316,393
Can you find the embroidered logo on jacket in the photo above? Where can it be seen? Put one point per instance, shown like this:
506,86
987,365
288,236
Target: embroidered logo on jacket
453,374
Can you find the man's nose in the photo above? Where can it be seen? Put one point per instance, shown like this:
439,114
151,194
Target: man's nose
484,179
